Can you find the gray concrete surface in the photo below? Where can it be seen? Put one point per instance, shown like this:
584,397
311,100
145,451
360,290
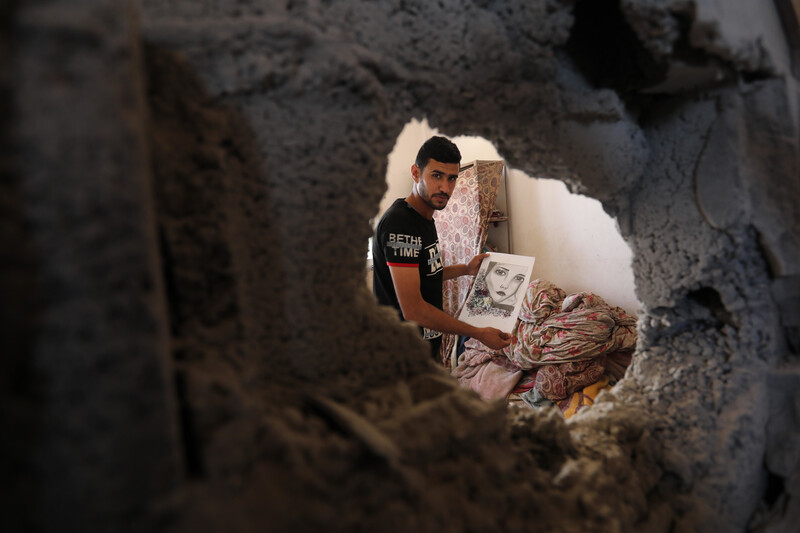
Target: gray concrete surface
189,345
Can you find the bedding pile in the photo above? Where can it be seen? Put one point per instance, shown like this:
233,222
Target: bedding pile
565,349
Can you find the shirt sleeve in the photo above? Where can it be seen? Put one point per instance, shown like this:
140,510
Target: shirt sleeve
401,245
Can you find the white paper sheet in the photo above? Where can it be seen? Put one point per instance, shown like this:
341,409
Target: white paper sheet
497,292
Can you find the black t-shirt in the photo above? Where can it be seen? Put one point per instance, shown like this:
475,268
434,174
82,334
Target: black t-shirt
407,239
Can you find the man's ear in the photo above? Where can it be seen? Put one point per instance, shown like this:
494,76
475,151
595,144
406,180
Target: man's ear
415,172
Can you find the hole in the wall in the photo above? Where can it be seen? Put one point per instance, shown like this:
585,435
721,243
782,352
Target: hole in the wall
710,299
577,245
575,242
607,51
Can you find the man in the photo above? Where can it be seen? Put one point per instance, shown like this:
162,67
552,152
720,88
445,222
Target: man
407,262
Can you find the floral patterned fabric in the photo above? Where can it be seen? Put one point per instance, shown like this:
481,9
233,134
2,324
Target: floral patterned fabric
462,228
556,382
553,328
562,347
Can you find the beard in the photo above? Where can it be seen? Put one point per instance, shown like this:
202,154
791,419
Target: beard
431,202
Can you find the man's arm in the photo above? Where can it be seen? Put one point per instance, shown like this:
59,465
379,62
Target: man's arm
454,271
469,269
413,307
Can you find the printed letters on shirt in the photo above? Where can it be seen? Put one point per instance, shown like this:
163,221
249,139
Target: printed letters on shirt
434,258
404,245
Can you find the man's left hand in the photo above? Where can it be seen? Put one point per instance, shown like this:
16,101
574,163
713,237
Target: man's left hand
475,264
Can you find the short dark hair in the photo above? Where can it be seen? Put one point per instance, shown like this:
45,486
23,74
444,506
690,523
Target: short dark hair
439,148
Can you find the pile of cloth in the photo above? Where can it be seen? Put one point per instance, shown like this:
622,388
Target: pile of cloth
564,351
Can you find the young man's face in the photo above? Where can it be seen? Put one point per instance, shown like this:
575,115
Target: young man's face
436,182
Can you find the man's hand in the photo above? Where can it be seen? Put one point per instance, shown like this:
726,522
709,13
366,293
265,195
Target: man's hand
493,338
475,264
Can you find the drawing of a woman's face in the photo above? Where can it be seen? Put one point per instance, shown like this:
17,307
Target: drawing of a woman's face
503,281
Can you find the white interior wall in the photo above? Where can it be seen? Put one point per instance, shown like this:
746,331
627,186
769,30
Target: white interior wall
576,244
398,170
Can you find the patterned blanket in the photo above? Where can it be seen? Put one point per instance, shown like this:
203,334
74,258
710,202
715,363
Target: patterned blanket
561,344
555,328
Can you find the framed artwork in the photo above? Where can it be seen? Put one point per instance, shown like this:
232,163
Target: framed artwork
497,292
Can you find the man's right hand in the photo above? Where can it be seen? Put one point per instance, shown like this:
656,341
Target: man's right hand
493,338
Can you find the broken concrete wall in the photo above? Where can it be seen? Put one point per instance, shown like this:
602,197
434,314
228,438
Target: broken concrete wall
86,381
240,188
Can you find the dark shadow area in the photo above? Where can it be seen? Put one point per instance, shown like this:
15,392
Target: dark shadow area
711,300
210,207
607,51
19,310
